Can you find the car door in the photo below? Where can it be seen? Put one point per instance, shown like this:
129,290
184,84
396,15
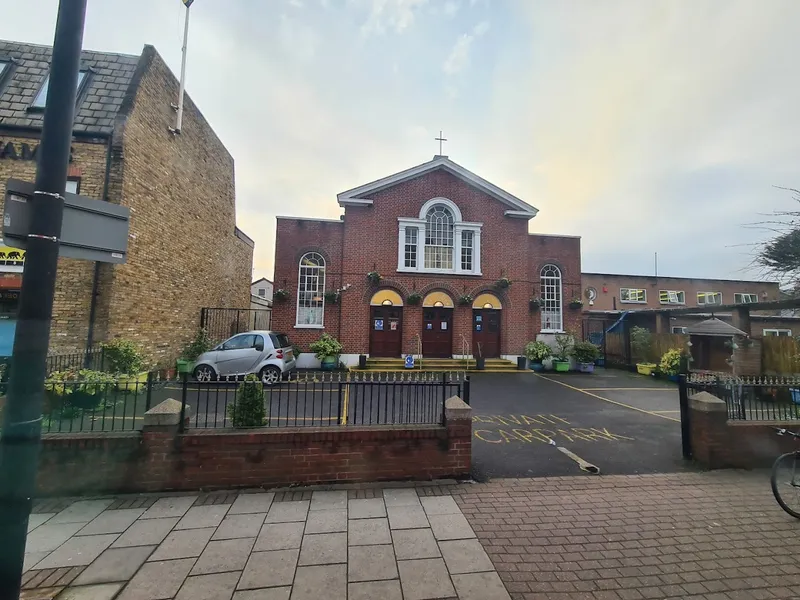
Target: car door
237,354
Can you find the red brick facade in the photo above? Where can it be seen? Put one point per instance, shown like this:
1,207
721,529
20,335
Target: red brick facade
366,239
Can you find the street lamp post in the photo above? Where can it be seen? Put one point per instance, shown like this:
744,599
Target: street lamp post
21,433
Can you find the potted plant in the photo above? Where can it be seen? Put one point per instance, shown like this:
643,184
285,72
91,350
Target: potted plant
280,295
247,409
327,349
332,297
414,298
480,361
125,359
585,353
201,343
537,352
641,340
564,344
465,300
503,283
576,303
671,363
374,277
534,303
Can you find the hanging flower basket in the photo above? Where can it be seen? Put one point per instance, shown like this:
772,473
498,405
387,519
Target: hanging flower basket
534,304
332,297
503,283
374,277
576,303
465,300
414,298
280,295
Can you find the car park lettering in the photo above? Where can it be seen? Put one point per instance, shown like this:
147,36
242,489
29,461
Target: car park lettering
542,435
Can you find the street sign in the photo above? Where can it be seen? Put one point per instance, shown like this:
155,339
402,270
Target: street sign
91,229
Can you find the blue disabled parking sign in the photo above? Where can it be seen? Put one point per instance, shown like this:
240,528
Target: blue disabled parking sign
409,361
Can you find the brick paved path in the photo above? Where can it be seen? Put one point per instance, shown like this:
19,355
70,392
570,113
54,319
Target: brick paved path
712,536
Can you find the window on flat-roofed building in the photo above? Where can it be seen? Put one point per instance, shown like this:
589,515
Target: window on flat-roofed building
777,332
709,298
671,297
745,298
632,295
678,329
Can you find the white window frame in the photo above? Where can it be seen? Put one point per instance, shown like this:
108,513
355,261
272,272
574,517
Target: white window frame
459,226
776,332
704,302
741,300
670,295
555,306
681,328
644,292
320,289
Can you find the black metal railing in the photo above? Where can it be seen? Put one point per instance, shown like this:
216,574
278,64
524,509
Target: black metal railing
222,323
319,399
91,358
751,398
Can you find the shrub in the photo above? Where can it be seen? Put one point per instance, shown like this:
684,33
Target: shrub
503,283
537,351
414,298
465,300
201,343
641,339
332,297
671,361
564,342
296,350
248,410
124,357
585,352
327,345
73,389
280,295
374,277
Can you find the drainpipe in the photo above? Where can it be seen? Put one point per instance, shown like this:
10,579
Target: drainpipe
96,278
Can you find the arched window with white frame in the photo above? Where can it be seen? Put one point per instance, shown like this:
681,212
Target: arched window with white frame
551,309
439,241
311,290
439,237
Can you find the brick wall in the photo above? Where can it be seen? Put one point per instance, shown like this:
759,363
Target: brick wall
157,459
183,251
718,443
72,302
368,239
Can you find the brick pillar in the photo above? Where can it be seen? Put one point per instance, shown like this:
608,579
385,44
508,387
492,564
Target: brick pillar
708,419
662,323
458,420
159,436
741,318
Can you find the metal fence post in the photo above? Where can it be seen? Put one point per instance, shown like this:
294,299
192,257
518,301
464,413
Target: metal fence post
466,390
686,429
149,391
339,412
183,401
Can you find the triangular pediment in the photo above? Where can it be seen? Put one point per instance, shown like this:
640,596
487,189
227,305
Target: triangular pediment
515,207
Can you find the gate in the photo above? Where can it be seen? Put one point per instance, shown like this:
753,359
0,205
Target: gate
222,323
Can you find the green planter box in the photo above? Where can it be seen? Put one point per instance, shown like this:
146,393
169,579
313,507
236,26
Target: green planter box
329,363
561,366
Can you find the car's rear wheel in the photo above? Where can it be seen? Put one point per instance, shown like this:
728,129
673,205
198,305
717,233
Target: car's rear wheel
270,375
204,373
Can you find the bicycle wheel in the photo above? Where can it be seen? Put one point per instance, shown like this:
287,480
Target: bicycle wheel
785,482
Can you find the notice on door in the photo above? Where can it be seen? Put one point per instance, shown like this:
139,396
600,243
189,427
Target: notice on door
444,325
378,324
393,325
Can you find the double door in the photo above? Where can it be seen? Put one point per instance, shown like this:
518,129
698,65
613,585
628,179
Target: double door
386,331
437,332
486,333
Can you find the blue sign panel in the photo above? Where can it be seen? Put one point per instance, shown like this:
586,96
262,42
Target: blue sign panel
409,361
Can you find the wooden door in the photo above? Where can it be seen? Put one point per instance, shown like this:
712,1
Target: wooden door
486,332
437,332
386,331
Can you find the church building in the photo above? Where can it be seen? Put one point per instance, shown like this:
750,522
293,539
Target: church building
433,261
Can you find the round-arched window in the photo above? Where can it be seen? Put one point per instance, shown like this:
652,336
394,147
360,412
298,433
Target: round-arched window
311,290
439,225
552,314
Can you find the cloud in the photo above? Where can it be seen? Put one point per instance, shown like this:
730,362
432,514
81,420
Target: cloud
451,8
458,59
396,15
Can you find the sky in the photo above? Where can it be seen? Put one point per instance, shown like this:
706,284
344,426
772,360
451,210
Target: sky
643,126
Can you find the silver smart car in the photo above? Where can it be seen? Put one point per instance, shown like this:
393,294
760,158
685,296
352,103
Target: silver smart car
267,353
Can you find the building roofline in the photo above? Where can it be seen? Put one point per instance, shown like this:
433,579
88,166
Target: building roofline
260,280
286,217
244,237
50,46
520,209
681,278
558,235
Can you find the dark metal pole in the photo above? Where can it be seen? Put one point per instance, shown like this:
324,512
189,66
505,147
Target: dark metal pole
21,433
686,426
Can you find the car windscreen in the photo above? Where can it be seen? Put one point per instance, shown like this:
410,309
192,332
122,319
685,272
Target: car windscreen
280,340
